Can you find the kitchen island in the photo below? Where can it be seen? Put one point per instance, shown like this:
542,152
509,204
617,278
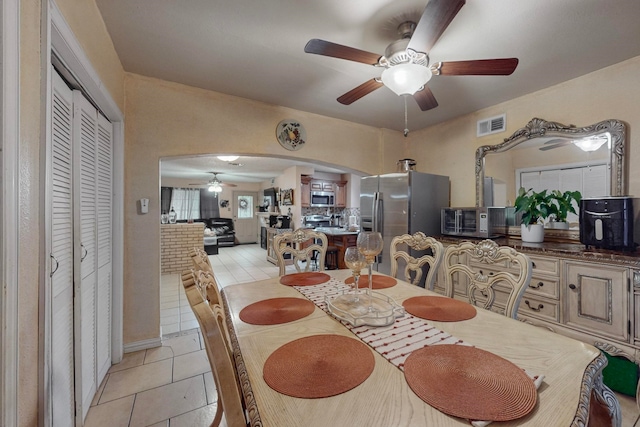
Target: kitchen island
341,239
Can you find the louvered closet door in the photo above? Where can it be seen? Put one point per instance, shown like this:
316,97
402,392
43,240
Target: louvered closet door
104,230
61,374
85,126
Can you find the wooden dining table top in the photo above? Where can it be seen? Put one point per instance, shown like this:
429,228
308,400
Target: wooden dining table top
571,368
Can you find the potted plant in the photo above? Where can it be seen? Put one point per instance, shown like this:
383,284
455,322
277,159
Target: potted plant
562,204
535,208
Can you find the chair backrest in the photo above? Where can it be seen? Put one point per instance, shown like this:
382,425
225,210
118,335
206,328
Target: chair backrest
222,365
418,242
300,245
220,354
506,267
200,259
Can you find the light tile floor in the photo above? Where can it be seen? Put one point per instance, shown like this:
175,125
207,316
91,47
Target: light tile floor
172,385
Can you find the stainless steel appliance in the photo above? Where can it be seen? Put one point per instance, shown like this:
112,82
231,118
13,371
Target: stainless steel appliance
399,203
315,221
610,222
476,222
322,199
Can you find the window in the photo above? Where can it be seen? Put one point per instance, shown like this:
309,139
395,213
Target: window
245,206
186,203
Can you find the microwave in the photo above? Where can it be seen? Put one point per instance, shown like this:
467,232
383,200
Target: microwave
476,222
322,199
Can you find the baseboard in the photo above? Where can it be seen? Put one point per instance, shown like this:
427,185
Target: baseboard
143,345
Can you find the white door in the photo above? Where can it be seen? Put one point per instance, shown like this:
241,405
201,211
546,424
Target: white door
61,369
84,142
80,185
245,219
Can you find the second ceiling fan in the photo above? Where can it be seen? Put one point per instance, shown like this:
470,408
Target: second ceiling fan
406,61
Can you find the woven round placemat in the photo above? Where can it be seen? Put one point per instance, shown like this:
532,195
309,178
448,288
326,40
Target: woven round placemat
318,366
304,279
470,383
441,309
276,310
379,282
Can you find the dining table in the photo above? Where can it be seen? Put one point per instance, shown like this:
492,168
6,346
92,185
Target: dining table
569,390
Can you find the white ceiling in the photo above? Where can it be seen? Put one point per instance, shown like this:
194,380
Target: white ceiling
255,49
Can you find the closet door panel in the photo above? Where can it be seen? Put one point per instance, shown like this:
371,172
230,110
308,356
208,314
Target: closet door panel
104,230
61,370
85,135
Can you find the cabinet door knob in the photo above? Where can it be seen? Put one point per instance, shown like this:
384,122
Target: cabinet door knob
572,287
537,285
538,308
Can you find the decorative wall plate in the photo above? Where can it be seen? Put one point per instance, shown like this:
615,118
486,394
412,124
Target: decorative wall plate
291,134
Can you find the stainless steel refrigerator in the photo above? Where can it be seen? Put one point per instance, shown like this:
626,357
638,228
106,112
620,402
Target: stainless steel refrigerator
400,203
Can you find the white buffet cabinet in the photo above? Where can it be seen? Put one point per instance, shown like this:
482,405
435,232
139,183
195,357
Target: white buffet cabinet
592,296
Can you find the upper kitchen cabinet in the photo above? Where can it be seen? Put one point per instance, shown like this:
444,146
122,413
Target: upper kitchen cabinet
341,194
319,185
305,191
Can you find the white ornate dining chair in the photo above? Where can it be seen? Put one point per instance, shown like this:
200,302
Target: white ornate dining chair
302,245
220,355
415,266
508,270
205,282
200,259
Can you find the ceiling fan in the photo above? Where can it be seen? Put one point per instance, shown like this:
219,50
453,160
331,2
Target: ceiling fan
215,185
406,61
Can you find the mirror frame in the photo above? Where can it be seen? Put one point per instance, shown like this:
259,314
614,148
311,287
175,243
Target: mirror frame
538,128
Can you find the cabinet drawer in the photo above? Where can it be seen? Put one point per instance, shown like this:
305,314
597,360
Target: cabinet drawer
544,287
540,308
544,265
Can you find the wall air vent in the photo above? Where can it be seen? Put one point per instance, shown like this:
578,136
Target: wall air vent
492,125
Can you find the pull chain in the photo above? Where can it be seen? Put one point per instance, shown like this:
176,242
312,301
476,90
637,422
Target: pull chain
406,127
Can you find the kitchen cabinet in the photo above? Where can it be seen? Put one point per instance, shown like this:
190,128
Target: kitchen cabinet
305,191
341,194
319,185
598,299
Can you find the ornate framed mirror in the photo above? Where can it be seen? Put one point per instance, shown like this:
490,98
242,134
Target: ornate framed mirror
544,137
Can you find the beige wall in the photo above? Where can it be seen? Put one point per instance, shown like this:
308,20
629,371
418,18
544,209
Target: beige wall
86,21
165,119
611,93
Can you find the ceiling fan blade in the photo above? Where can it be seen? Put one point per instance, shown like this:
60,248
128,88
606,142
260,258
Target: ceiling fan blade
360,91
436,17
558,145
224,184
556,140
425,99
322,47
479,67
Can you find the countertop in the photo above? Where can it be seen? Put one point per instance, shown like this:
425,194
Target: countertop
335,231
566,250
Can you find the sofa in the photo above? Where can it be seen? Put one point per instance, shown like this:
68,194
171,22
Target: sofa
224,230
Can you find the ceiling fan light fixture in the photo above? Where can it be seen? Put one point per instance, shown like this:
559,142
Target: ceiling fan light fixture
407,78
592,143
215,187
228,158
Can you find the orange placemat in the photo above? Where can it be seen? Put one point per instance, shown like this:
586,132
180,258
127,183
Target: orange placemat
276,310
318,366
379,282
441,309
470,383
304,279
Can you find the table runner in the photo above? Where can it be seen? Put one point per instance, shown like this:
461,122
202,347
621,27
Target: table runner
395,342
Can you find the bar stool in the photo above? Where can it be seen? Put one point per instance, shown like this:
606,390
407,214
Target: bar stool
331,260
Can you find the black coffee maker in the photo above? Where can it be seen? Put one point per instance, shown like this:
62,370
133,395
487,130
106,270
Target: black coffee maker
610,222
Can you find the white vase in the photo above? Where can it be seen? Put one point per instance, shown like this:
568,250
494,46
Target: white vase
560,225
532,233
